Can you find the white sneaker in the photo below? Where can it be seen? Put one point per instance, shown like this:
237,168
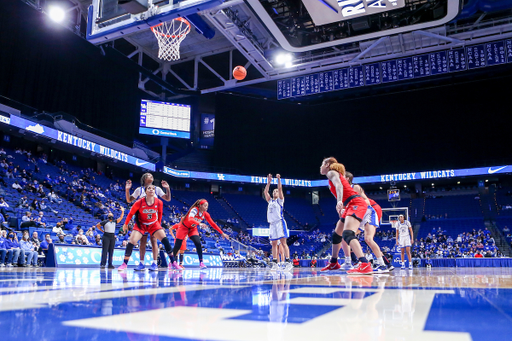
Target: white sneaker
9,265
346,266
2,265
410,266
274,266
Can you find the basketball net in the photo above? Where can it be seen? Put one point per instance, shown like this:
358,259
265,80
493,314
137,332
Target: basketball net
170,35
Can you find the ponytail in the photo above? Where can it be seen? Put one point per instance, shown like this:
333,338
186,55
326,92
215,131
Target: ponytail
335,166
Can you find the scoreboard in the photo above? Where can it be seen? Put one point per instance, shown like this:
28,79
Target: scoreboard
164,119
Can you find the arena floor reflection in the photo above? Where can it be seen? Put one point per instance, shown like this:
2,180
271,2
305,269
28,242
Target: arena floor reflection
231,304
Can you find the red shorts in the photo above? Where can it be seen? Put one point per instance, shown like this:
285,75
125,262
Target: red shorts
356,208
183,246
147,228
184,231
378,209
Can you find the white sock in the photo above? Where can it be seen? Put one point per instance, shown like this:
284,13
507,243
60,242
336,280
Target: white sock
403,263
348,260
380,261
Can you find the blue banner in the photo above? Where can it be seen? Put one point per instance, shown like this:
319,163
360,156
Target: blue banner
80,256
430,64
164,133
73,140
377,179
235,178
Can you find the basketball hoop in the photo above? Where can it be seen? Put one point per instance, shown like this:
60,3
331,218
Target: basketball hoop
170,35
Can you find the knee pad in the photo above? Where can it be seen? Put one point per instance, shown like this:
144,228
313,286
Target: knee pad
348,236
129,250
336,238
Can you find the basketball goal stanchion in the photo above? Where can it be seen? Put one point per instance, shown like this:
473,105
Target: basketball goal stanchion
170,35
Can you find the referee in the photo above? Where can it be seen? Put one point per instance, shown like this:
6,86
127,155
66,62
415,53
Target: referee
109,238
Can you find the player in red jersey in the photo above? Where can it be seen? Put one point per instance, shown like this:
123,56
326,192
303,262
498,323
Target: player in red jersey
351,208
183,247
145,180
149,215
188,227
370,224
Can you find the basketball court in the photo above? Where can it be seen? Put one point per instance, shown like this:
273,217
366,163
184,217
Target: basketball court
293,51
232,304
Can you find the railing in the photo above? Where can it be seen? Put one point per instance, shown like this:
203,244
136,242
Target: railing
242,248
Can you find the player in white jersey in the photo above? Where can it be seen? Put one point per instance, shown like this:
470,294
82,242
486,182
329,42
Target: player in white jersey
146,180
404,238
278,229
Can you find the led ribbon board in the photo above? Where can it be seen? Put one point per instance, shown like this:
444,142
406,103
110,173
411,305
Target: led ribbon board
78,142
377,179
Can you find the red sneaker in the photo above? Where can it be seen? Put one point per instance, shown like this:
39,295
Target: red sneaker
362,269
332,266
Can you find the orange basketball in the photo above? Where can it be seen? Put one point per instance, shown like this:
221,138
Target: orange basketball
239,72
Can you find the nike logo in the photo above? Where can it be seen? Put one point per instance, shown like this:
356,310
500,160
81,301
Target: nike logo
492,171
140,163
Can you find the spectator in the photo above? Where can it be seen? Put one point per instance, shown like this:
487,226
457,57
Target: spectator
97,241
58,229
81,239
478,254
3,206
46,207
61,239
34,205
54,198
506,229
27,221
90,236
3,251
28,247
46,243
22,202
17,187
14,253
41,220
35,239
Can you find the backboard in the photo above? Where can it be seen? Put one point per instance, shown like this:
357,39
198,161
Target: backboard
112,19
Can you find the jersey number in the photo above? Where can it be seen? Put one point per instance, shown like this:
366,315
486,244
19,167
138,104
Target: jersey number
150,216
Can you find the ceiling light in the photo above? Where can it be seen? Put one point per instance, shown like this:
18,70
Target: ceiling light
56,13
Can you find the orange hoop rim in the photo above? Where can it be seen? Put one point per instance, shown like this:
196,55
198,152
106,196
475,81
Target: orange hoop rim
183,20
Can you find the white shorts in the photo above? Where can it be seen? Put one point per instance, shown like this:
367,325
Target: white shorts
278,230
370,217
404,241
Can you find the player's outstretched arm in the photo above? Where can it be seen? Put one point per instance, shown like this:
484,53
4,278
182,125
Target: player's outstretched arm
122,215
129,198
167,196
280,187
267,187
